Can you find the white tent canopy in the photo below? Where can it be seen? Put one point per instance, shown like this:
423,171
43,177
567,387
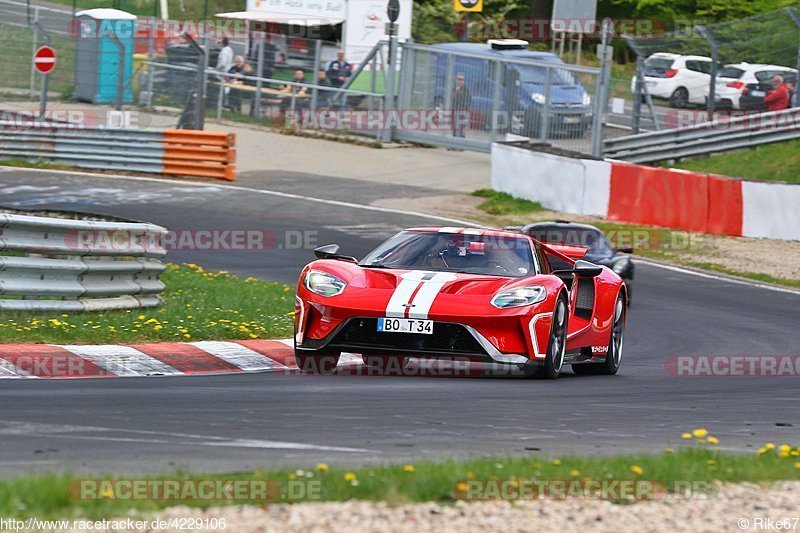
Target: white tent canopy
292,19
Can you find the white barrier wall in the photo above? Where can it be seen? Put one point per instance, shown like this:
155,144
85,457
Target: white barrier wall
583,187
560,183
771,210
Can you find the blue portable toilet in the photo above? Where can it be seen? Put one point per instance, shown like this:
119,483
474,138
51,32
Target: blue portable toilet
98,60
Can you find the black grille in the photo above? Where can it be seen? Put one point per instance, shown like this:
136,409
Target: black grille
447,338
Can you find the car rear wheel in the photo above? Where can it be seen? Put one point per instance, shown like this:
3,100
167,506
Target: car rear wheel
610,366
679,98
557,344
317,364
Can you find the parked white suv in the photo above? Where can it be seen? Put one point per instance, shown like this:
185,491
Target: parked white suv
744,85
680,79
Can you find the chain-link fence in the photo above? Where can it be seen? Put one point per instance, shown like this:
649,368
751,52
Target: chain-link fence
481,95
22,32
725,66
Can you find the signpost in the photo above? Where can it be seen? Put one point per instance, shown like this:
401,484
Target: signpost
467,7
44,60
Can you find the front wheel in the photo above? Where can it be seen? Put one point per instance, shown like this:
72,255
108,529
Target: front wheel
557,345
316,364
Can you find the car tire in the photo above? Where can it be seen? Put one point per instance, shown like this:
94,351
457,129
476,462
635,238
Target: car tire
557,342
382,365
316,364
679,98
610,366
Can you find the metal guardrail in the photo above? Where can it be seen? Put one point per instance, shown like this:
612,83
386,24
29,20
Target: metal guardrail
740,132
173,152
52,264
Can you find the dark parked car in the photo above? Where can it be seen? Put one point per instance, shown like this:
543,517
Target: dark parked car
599,251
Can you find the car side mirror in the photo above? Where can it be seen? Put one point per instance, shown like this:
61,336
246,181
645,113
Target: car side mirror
625,249
585,269
331,251
582,269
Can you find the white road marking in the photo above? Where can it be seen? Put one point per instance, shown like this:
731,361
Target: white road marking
15,428
255,191
709,275
123,360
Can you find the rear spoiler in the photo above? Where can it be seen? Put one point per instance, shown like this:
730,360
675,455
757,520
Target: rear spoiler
565,252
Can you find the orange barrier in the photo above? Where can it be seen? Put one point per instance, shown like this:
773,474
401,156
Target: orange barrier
659,197
675,199
207,154
725,206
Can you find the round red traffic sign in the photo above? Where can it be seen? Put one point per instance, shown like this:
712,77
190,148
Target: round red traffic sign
44,59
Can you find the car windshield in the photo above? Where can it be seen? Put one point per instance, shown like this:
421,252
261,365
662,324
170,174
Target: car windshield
591,238
658,63
538,75
731,72
454,252
765,76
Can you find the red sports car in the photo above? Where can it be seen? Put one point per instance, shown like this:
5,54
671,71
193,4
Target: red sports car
454,293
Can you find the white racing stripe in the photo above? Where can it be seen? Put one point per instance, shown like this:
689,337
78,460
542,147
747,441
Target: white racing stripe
238,355
123,360
426,295
401,296
429,284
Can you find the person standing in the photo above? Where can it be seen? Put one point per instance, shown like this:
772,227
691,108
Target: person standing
461,102
225,57
778,98
339,70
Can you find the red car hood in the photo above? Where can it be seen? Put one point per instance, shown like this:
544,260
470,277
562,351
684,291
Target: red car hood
416,293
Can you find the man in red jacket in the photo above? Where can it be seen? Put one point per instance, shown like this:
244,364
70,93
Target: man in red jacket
777,99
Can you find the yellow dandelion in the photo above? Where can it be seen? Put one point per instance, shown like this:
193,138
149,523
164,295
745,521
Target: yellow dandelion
784,448
669,450
700,433
350,476
556,462
462,487
638,470
769,446
711,462
713,440
322,467
575,472
408,468
686,436
797,464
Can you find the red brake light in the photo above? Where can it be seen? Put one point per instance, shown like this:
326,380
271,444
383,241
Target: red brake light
735,84
670,73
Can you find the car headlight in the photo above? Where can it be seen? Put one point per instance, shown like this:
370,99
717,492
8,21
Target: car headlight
587,100
538,98
519,296
323,283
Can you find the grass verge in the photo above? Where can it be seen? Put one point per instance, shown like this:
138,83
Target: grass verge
771,162
58,496
500,203
198,305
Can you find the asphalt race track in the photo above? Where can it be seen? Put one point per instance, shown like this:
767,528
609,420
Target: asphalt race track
234,422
